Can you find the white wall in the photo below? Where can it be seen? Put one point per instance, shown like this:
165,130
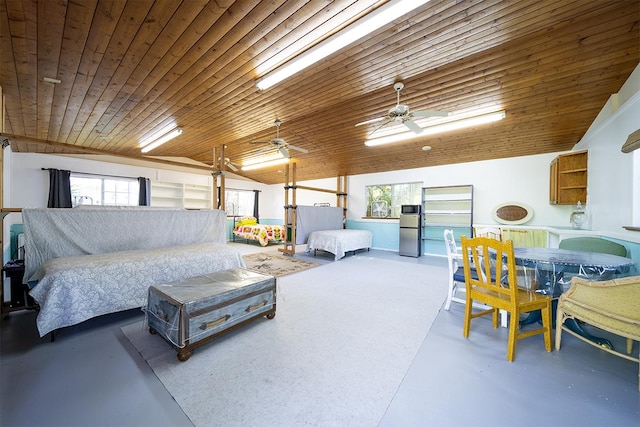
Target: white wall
517,179
613,188
520,179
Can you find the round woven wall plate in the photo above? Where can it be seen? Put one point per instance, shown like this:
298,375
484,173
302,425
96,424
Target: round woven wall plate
512,213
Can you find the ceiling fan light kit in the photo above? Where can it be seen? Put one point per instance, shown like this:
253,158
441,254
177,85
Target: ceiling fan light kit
357,30
439,128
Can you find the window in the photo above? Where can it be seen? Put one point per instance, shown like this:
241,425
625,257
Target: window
239,202
395,195
103,190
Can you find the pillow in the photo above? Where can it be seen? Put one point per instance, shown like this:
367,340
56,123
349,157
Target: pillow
247,220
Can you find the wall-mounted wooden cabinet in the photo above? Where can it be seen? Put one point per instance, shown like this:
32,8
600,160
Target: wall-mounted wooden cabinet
568,179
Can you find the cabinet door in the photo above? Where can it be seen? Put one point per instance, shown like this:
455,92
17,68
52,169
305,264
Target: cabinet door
553,182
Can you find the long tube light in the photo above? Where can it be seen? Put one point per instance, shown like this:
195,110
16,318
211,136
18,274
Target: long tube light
265,164
443,127
362,27
155,143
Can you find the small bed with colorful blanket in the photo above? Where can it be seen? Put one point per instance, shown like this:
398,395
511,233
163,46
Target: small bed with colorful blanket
248,228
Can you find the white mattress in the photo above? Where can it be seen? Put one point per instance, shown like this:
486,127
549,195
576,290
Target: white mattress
339,242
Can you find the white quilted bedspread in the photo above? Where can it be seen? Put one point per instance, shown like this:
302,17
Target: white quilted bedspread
76,288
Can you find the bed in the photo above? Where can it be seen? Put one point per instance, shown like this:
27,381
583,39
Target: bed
248,228
339,242
83,263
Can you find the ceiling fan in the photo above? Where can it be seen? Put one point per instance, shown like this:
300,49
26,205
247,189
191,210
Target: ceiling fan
400,114
280,144
228,163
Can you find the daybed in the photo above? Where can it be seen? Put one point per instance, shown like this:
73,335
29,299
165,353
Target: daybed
322,227
248,228
83,263
339,242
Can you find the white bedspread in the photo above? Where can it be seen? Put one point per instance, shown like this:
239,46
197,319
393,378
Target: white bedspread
339,242
74,289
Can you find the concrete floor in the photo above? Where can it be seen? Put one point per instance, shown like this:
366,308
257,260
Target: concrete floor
92,376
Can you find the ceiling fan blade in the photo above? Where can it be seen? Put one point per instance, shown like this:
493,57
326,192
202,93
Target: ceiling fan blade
264,149
370,121
411,125
232,167
429,113
381,126
300,149
284,152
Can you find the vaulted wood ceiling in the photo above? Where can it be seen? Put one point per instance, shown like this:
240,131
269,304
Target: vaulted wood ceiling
127,67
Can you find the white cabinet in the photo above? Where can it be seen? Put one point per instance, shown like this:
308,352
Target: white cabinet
179,195
448,207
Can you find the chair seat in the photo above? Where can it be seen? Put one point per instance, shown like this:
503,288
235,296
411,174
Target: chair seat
458,276
528,300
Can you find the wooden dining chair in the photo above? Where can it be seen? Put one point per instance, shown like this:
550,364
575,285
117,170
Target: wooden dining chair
500,291
491,232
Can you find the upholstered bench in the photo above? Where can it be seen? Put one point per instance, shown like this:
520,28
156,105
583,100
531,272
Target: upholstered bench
612,305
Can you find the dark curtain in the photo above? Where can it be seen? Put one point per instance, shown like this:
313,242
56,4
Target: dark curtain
256,198
144,195
219,200
59,189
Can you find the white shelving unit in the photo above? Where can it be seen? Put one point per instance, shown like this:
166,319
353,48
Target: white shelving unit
178,195
445,207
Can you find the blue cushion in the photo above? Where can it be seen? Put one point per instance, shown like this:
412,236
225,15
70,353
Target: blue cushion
458,276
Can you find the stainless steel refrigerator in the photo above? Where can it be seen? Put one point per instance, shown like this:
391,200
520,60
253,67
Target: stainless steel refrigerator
410,231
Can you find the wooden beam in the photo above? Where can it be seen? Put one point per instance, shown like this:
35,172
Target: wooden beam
75,149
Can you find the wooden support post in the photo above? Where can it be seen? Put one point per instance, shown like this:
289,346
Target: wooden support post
341,196
214,187
290,211
223,188
218,171
290,206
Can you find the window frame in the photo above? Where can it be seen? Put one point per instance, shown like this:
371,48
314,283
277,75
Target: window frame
391,197
132,194
238,192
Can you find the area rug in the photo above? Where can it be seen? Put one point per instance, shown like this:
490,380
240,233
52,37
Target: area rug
275,264
342,340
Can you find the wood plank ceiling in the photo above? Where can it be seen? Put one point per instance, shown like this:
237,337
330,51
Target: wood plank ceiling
128,67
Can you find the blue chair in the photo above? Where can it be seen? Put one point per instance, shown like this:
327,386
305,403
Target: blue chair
593,244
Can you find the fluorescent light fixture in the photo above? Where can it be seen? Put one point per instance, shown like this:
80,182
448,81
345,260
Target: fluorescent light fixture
155,141
52,80
265,164
439,128
362,27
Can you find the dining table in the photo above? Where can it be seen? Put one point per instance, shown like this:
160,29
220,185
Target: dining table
549,271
